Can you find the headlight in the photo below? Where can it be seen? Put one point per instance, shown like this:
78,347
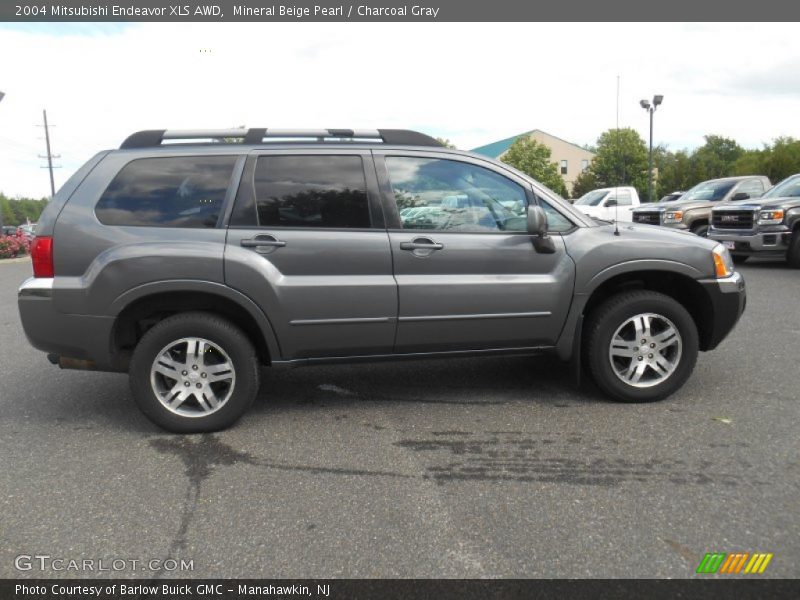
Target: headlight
723,263
675,215
770,217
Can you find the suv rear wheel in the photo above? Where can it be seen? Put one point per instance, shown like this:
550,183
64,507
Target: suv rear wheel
194,372
642,346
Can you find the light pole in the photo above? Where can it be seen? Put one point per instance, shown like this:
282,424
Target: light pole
651,108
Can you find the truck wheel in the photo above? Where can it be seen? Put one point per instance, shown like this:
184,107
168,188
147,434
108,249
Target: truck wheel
642,346
701,230
739,259
793,254
194,372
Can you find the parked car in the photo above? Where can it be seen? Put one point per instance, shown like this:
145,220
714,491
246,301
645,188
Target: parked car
767,227
190,266
9,230
692,212
609,204
27,231
672,196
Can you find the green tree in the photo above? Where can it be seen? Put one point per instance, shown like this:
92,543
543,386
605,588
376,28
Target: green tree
751,162
674,171
446,143
20,210
783,159
585,182
533,158
621,159
716,158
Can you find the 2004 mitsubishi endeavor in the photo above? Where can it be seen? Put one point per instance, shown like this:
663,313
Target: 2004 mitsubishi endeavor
189,259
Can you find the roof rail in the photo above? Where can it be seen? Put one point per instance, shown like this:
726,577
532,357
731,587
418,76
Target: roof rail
399,137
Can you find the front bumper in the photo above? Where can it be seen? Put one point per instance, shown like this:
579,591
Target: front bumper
82,337
749,242
728,299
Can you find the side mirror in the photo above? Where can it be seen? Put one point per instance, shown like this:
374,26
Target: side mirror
611,202
740,196
537,227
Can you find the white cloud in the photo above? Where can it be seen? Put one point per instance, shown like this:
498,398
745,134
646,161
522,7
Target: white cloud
472,83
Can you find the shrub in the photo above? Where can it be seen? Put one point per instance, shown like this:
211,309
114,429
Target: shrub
12,246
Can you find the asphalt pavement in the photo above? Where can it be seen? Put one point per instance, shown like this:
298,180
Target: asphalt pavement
486,467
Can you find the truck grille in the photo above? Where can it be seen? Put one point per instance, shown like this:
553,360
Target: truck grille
733,219
648,218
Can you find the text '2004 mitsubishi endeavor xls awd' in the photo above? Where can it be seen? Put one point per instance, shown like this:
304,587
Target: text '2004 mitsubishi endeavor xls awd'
189,259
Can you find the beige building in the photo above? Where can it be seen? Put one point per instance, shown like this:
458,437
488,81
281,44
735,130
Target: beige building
571,159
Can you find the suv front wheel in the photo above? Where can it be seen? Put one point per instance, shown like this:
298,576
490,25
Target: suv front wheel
642,346
194,372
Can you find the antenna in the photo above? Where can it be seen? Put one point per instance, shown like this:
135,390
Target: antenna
616,186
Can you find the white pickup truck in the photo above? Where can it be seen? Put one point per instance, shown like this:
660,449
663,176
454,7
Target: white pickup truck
610,204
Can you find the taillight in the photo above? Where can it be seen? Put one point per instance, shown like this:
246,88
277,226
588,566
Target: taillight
42,256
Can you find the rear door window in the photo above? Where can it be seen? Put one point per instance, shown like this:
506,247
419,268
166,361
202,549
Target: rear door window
311,191
174,191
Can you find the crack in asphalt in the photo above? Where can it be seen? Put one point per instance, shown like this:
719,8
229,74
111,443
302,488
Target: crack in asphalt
202,456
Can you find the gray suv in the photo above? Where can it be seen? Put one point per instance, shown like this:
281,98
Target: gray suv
190,259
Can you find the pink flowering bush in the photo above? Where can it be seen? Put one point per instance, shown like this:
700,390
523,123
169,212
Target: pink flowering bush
12,246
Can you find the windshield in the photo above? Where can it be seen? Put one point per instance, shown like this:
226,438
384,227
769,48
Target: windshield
788,188
670,197
592,198
710,191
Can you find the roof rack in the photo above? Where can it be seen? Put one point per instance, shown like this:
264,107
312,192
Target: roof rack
399,137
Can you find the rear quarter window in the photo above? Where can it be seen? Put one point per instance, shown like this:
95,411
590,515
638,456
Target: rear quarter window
179,191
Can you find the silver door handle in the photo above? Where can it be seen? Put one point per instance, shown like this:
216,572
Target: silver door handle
263,240
421,244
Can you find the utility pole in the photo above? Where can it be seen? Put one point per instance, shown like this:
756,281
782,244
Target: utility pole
49,156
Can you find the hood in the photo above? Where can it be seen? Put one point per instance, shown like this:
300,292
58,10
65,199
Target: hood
692,204
786,202
654,207
665,235
757,203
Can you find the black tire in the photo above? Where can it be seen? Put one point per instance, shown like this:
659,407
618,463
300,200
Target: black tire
739,259
701,230
220,332
793,254
603,323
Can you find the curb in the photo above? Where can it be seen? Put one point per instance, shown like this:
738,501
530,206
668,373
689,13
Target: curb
19,259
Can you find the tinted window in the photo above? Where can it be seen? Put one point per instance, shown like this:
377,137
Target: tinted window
183,191
448,195
311,191
709,191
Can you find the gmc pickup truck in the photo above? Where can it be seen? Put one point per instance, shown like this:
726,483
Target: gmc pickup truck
768,227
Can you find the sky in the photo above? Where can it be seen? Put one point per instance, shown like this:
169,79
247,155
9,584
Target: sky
473,83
